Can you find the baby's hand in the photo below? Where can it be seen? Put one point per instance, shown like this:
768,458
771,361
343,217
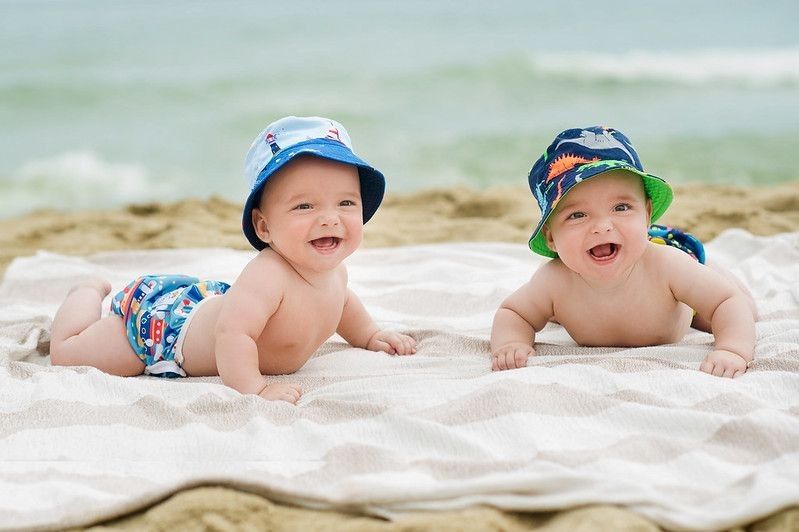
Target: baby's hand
511,356
723,363
282,392
392,343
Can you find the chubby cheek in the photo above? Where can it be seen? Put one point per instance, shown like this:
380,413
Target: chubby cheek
571,247
637,243
572,258
355,231
564,240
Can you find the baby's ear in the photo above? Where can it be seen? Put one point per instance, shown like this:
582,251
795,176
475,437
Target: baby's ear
548,236
259,224
648,208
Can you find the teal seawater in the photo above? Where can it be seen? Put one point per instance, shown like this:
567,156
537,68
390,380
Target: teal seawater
107,103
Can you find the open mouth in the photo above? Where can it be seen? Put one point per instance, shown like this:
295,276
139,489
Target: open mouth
326,244
604,252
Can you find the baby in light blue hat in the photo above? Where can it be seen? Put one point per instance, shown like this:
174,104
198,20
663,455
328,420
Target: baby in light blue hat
309,198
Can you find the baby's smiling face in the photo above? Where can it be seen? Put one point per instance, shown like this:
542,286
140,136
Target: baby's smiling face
311,213
599,228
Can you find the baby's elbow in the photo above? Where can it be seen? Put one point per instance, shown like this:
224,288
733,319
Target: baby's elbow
226,333
746,301
508,312
733,309
743,304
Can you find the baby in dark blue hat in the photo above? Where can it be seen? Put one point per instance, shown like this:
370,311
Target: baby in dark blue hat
609,283
309,198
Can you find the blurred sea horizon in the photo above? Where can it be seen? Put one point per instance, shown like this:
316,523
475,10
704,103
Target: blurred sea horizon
109,103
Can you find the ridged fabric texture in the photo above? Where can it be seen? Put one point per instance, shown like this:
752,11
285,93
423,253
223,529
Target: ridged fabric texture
640,428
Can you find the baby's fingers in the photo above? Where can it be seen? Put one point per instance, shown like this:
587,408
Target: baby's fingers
520,358
381,345
289,396
706,366
405,345
410,345
282,392
730,372
509,359
290,392
498,362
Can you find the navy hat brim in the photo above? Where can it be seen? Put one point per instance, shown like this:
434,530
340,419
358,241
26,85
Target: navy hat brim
373,183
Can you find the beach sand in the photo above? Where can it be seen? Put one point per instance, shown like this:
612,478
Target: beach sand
442,215
438,215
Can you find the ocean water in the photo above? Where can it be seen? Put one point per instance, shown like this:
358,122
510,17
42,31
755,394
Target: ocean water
108,103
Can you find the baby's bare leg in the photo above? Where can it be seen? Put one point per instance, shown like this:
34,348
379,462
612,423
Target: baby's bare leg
704,325
81,338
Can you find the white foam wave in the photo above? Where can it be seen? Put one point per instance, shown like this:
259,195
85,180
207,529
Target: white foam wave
76,180
758,68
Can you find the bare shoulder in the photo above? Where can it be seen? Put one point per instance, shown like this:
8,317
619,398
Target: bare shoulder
684,276
544,283
255,295
551,275
667,261
265,266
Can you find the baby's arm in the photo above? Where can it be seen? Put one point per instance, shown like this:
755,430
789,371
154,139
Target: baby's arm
724,306
247,307
359,329
524,312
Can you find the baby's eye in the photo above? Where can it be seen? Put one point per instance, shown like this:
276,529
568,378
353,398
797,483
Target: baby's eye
575,215
302,206
347,203
621,207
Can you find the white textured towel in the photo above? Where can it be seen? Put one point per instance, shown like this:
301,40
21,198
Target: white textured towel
642,428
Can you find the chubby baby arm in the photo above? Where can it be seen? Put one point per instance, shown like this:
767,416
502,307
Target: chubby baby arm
727,309
359,329
247,307
733,327
524,312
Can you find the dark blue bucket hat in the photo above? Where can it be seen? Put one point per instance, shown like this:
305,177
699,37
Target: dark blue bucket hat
291,136
579,154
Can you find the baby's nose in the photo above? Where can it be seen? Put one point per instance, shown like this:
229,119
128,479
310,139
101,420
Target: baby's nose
328,218
603,226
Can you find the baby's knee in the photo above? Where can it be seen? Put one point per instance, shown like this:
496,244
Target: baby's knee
97,284
61,354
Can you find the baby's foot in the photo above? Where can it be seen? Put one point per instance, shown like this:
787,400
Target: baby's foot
282,392
100,285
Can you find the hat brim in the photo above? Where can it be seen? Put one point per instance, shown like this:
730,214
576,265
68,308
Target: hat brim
657,190
373,184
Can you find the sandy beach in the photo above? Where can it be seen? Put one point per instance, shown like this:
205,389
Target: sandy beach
438,215
505,214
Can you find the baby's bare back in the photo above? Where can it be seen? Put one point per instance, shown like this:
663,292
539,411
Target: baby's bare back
306,317
640,311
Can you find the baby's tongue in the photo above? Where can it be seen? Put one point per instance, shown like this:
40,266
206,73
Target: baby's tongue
324,242
602,251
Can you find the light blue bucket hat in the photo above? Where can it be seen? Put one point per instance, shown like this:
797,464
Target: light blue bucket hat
281,141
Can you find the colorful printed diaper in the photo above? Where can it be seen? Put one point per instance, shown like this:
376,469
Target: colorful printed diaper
155,309
670,236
